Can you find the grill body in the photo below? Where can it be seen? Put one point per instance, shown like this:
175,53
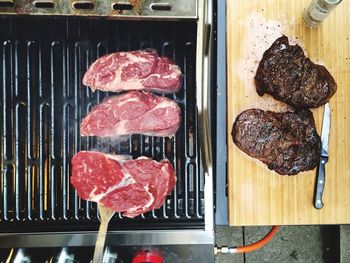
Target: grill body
42,101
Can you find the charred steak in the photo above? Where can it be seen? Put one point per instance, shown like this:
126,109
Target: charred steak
134,70
285,73
287,142
133,112
129,186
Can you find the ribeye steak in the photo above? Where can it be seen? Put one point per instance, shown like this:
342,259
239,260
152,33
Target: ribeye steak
285,73
287,142
134,70
123,185
133,112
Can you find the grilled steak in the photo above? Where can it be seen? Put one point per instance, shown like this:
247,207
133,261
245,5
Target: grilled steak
285,73
129,186
133,112
134,70
287,142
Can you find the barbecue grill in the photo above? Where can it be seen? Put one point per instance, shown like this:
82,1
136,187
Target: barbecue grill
46,47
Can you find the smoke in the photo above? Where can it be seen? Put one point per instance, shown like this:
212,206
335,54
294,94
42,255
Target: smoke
112,145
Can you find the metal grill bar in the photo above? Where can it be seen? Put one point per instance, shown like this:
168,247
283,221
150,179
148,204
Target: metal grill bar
43,102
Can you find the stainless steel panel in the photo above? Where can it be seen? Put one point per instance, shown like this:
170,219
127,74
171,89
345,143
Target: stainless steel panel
116,9
221,211
203,78
127,238
201,253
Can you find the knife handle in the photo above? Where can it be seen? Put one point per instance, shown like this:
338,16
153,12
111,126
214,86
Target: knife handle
320,181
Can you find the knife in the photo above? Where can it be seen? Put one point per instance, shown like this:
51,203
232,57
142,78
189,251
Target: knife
321,170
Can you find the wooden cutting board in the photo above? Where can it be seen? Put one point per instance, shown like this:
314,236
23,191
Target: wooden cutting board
258,196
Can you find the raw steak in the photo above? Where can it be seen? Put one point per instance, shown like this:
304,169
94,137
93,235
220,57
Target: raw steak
133,112
129,186
134,70
287,142
285,73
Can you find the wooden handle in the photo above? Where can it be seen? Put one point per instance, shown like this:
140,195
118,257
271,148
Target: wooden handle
100,242
106,215
320,181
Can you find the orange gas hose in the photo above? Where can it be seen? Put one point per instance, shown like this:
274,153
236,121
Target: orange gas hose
259,244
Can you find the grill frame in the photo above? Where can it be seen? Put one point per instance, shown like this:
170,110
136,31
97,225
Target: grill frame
179,238
72,86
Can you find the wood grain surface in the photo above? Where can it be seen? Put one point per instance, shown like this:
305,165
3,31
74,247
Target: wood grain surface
258,196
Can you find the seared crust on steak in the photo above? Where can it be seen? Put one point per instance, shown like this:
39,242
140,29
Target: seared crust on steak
285,73
287,142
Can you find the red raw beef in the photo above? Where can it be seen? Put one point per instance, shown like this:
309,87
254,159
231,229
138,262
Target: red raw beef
133,112
134,70
123,185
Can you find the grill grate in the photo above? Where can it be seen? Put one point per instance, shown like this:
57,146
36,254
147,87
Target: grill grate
43,101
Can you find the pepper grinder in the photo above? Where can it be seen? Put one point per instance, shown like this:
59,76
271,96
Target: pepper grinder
318,10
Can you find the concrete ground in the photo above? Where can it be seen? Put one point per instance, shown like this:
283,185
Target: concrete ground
291,244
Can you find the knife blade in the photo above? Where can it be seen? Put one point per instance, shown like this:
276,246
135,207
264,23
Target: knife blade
321,169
